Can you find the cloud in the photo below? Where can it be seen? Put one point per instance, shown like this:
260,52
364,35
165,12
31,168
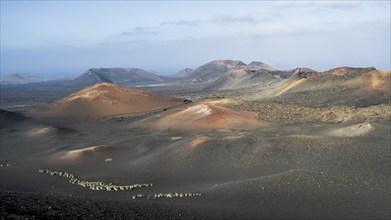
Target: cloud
222,18
339,5
234,17
325,28
119,44
140,31
187,23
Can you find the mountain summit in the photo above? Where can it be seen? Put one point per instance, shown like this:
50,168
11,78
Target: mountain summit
184,72
214,69
255,65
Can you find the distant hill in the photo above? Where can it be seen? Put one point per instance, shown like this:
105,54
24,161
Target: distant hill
123,76
106,99
242,78
21,78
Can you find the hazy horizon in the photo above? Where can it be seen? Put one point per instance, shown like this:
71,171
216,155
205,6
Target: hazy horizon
55,39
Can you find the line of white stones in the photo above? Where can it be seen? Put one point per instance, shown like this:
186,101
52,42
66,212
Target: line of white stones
94,185
8,165
168,195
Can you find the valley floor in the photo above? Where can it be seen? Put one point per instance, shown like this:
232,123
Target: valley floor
301,162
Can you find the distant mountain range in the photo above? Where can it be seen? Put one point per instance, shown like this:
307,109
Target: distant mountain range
214,75
234,74
206,73
21,78
218,69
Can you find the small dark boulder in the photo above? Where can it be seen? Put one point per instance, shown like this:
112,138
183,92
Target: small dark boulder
187,101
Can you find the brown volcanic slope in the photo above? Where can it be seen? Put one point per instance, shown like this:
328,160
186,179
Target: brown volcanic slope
341,86
207,115
106,99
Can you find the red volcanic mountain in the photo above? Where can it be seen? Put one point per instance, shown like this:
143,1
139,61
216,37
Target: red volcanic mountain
106,99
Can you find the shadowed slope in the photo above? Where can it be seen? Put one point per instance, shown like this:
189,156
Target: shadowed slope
8,118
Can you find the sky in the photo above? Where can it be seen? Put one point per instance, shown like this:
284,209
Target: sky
56,39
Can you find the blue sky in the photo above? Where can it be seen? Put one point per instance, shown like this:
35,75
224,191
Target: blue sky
58,38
